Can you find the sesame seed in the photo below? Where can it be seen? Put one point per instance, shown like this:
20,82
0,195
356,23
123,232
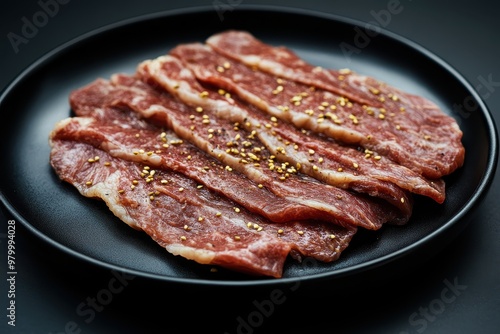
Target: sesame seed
183,238
278,90
237,238
353,118
342,101
253,157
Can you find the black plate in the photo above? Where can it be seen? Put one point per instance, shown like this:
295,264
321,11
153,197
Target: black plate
55,212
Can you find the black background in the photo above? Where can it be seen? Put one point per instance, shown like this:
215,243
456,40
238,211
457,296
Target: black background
50,286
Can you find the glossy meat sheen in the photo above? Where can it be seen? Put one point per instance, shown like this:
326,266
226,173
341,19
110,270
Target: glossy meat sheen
408,129
188,221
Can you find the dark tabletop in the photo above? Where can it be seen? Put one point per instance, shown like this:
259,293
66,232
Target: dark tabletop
456,290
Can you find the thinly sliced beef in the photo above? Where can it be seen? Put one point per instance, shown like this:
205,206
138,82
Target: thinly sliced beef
420,136
276,156
304,195
191,222
340,165
283,62
163,149
241,154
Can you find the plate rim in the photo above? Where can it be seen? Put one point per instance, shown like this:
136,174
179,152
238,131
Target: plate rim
479,193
